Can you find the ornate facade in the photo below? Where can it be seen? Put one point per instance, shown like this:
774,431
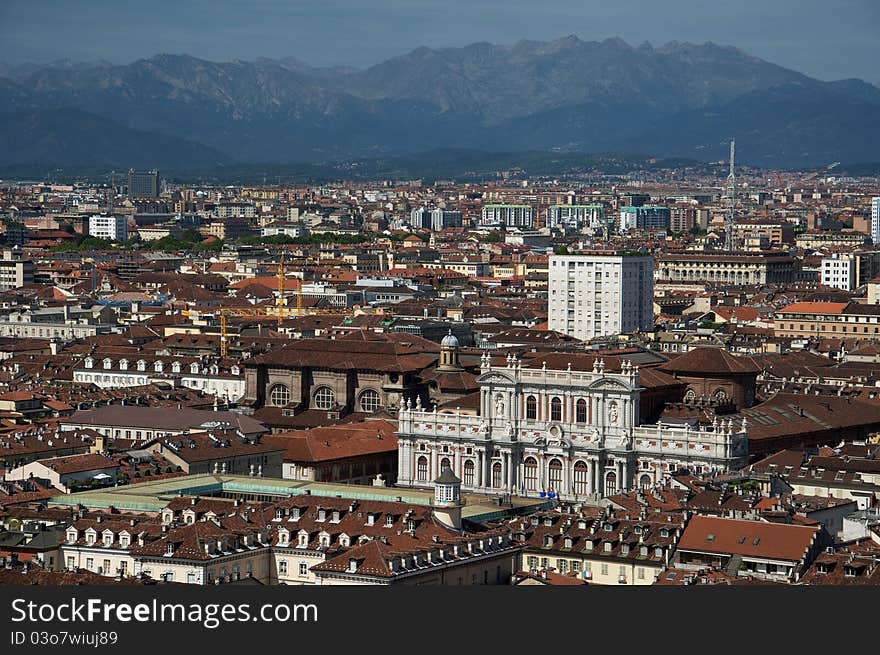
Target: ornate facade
574,434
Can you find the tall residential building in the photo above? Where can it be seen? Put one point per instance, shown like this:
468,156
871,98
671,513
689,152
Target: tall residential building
839,271
850,270
507,215
875,219
600,294
435,219
143,184
114,228
15,272
646,217
576,217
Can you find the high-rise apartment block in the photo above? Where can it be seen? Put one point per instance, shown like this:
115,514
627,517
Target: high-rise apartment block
435,219
15,271
507,215
646,217
875,219
114,228
576,217
594,295
143,184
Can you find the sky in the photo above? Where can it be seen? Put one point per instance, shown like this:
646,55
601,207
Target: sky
826,39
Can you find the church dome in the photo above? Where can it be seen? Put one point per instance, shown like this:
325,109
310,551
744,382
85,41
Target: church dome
449,341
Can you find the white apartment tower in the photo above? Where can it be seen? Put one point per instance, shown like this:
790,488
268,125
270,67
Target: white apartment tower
839,271
594,295
875,219
109,227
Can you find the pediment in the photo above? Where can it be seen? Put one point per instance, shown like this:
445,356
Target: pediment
495,378
607,384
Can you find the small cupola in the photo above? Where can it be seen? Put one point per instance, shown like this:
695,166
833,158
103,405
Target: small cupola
447,498
449,347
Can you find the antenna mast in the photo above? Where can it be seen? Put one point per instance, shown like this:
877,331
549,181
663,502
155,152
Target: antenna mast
731,199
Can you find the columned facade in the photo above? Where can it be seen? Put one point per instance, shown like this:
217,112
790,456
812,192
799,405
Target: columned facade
572,434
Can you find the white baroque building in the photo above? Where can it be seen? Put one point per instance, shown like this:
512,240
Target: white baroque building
570,433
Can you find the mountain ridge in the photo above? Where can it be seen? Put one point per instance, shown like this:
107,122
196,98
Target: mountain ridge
597,96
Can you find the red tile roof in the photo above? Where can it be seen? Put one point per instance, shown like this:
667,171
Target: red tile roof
708,534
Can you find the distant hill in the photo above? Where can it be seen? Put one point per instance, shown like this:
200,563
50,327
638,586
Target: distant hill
70,137
681,99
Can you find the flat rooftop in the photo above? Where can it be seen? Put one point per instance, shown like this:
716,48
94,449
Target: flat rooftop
153,496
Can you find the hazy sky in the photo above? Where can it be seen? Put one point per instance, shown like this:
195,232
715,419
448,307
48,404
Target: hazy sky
828,39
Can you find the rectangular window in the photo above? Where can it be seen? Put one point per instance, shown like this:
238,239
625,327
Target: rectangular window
303,569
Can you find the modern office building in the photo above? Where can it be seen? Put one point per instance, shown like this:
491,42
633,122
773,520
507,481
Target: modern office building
143,184
600,294
507,215
114,228
646,217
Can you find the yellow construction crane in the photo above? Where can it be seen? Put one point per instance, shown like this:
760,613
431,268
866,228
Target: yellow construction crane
280,309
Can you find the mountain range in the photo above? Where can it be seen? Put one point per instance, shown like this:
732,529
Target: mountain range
568,95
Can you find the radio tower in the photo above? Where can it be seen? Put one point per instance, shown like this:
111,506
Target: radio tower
731,199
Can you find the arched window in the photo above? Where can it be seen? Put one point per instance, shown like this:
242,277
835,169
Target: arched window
720,395
690,396
468,477
530,474
369,401
610,483
645,481
445,463
581,479
496,474
556,409
422,469
581,411
531,408
555,475
325,398
279,395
